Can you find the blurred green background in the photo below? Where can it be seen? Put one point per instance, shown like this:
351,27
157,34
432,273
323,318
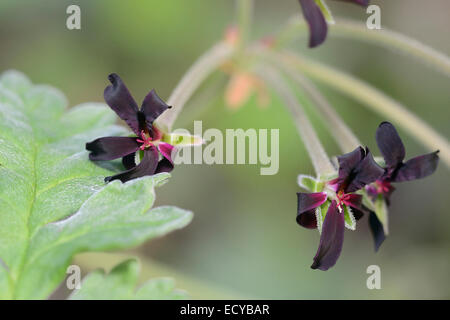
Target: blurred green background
243,241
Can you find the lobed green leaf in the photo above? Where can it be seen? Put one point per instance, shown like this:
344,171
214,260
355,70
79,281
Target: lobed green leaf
120,284
53,201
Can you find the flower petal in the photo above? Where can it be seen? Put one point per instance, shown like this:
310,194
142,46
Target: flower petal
331,239
390,144
353,200
418,167
109,148
146,167
347,163
377,230
152,107
357,213
307,202
317,25
120,100
166,164
367,171
129,161
166,150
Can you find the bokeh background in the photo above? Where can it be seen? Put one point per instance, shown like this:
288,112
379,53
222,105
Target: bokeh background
243,241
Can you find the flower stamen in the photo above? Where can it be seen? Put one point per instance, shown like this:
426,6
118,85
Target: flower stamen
146,141
341,197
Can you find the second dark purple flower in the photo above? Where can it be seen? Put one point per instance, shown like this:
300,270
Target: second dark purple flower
338,199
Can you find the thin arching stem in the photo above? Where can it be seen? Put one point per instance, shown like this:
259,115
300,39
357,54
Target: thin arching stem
205,65
192,79
372,98
389,39
244,17
317,153
342,134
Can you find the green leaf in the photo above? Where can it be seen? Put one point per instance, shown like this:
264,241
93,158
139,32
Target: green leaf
120,284
350,221
321,212
310,183
53,201
307,182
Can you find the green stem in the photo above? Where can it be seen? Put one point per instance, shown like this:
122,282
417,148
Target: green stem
316,151
244,16
371,97
387,38
193,78
339,130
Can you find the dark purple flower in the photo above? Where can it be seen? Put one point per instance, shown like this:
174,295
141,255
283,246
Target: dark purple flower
316,20
356,169
393,152
148,137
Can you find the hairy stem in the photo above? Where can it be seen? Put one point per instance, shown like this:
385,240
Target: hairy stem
319,158
193,78
244,17
342,134
389,39
371,97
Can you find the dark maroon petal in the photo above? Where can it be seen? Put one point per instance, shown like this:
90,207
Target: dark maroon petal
146,167
109,148
353,200
418,167
367,171
317,25
390,144
120,100
331,239
357,213
164,166
356,169
129,161
166,163
377,230
152,107
307,219
307,202
347,163
360,2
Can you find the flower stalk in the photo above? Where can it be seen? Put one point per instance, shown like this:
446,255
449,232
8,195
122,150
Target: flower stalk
244,16
210,61
316,151
372,98
356,30
342,134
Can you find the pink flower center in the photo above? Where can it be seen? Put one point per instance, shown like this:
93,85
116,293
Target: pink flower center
145,140
383,186
342,199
